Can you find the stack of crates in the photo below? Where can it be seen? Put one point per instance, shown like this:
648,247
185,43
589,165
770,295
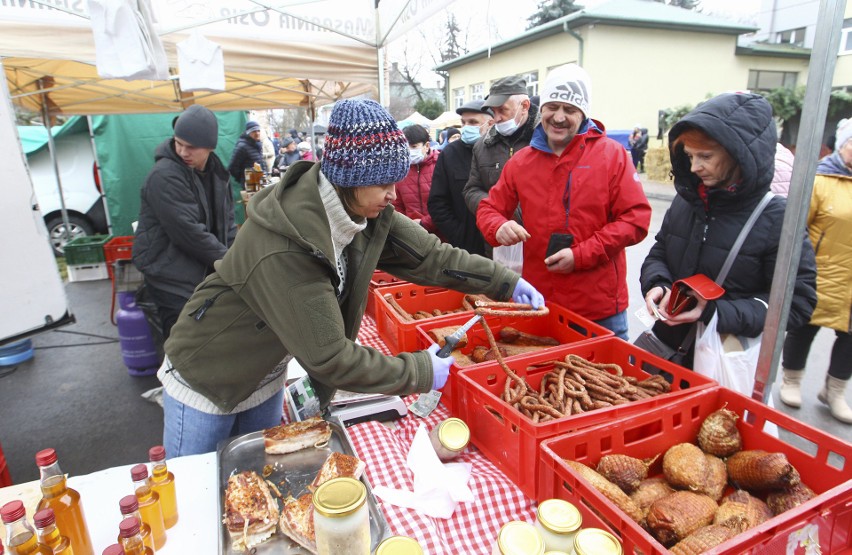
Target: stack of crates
117,248
85,258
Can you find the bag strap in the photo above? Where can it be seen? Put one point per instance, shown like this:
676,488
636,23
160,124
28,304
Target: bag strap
729,261
735,249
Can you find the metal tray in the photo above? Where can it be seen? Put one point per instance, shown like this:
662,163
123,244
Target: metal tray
291,474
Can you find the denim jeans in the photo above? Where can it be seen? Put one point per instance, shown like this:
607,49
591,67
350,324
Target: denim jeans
188,431
617,323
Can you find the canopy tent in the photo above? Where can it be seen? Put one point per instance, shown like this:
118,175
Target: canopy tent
294,53
415,118
447,119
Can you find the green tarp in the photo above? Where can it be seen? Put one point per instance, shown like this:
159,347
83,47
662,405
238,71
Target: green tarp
125,146
34,137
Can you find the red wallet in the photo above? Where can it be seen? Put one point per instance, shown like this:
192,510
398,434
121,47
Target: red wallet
686,291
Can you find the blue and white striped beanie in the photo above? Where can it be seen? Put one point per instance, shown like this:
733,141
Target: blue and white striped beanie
363,146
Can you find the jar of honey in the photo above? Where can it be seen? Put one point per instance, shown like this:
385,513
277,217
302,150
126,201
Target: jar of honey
594,541
518,538
449,438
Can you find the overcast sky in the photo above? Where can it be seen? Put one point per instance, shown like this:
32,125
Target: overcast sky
508,19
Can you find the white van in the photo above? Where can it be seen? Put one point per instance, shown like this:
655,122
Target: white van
80,184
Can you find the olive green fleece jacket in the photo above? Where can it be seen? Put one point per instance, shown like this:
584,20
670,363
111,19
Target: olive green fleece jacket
273,294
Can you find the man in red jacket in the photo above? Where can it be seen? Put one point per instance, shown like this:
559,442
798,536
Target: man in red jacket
582,203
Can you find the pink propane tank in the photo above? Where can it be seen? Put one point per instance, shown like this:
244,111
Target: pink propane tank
137,345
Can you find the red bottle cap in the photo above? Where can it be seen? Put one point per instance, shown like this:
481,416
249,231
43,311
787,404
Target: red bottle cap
44,518
129,527
12,511
46,457
114,549
128,504
157,453
139,472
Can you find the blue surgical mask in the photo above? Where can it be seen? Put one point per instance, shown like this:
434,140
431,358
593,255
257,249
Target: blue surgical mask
470,134
415,156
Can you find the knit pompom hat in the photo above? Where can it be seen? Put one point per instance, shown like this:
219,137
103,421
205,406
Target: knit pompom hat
364,146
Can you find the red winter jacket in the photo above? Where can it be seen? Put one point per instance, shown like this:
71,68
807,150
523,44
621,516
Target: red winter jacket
591,191
412,193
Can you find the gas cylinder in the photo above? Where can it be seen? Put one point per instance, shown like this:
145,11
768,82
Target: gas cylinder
137,345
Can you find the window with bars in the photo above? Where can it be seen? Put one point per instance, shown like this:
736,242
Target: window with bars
477,91
763,80
532,82
458,97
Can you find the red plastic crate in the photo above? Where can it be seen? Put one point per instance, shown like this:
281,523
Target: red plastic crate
561,324
5,477
401,336
117,248
380,279
511,440
647,434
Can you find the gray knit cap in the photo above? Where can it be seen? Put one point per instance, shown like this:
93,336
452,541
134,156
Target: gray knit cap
198,126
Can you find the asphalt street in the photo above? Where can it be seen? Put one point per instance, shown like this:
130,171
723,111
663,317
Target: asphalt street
76,396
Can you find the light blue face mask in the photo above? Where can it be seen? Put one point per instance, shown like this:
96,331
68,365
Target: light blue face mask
415,156
470,134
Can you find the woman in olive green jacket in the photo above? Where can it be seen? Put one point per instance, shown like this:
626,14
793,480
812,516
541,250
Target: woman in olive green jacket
295,283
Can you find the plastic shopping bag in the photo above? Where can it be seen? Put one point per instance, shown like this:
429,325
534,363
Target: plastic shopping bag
729,359
512,256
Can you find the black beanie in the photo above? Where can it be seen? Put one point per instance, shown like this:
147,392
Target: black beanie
198,127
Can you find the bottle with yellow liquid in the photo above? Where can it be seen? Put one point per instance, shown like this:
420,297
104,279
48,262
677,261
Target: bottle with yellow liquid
163,482
131,541
49,535
20,537
65,503
149,504
129,506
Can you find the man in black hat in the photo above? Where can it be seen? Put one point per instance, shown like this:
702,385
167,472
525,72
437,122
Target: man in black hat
514,122
288,155
446,202
186,216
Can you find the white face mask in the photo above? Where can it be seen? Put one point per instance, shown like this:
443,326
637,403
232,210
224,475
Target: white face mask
415,156
506,128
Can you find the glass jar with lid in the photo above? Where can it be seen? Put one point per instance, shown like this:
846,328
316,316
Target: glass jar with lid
594,541
341,518
449,438
518,538
557,521
399,545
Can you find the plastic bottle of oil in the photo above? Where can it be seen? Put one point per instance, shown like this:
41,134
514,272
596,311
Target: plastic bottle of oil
20,536
129,506
64,501
131,541
163,482
149,505
48,533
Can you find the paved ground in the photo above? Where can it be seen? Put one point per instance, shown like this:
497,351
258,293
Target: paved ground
75,395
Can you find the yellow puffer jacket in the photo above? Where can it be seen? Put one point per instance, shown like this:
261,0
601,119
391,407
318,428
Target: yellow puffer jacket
830,229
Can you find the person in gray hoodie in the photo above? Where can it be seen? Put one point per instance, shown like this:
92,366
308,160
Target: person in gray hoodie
186,216
295,284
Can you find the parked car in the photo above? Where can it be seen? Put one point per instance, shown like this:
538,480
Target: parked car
80,184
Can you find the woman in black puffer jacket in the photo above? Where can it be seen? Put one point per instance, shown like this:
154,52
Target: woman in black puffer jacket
723,161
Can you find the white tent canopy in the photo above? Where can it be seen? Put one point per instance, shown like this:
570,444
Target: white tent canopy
291,53
448,119
416,118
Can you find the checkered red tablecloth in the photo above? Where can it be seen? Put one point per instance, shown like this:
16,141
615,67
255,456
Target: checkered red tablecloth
473,527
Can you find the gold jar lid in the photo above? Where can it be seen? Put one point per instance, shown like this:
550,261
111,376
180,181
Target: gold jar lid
559,516
519,538
594,541
453,434
339,497
399,545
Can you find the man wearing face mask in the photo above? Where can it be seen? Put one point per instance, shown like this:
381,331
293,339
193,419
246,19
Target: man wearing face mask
446,201
412,193
515,118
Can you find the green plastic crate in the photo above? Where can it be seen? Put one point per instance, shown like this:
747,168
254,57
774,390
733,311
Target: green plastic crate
86,250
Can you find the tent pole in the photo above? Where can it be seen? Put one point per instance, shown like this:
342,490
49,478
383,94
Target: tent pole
380,60
100,176
820,71
51,147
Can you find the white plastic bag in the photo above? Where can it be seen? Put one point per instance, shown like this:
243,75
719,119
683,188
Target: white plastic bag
512,256
731,360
